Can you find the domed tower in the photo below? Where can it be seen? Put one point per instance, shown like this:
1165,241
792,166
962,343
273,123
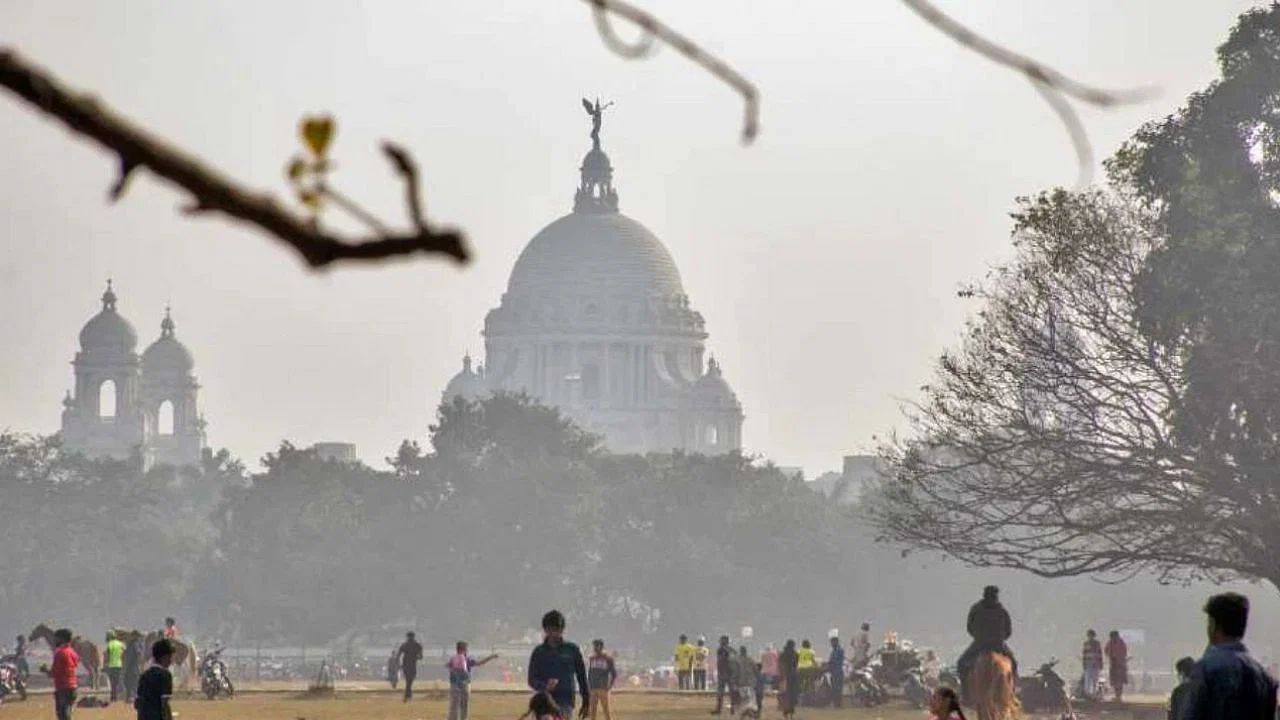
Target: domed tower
715,415
102,418
174,430
467,384
595,321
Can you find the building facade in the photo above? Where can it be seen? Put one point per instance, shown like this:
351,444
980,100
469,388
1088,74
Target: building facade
596,322
124,403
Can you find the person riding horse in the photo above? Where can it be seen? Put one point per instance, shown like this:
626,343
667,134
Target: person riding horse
990,627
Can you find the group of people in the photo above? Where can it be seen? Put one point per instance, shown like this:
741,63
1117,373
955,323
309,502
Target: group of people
1116,656
149,691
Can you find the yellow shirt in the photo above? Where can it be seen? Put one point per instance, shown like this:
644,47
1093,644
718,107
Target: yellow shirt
684,657
806,658
700,657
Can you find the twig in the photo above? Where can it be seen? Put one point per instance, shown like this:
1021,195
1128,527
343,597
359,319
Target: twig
408,171
1052,85
210,191
655,29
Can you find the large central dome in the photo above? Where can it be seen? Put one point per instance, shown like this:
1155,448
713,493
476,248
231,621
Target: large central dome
588,253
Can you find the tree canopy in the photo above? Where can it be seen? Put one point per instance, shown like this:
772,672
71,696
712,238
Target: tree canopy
1115,405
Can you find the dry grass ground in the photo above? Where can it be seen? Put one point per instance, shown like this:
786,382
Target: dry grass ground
433,706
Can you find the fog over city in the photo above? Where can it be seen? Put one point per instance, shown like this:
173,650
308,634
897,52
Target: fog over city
890,352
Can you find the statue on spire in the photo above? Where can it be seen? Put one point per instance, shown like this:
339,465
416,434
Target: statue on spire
596,111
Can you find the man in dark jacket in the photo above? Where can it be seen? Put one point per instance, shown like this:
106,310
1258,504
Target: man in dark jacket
990,627
556,664
724,673
1227,683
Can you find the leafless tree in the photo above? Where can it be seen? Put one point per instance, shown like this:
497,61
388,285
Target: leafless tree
1045,443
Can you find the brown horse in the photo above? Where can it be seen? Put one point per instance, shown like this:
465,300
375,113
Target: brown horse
184,656
990,688
89,654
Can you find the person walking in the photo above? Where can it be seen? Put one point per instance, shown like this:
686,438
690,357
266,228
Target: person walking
1091,662
408,655
835,669
155,687
807,663
134,652
701,653
788,679
602,673
557,665
393,668
460,666
1228,683
113,662
861,645
724,673
63,674
684,663
769,666
20,657
1178,698
1117,653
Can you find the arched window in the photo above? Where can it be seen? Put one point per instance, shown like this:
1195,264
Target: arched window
713,435
590,382
107,400
164,418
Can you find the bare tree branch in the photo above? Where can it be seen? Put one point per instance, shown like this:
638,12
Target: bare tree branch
1052,85
211,191
656,29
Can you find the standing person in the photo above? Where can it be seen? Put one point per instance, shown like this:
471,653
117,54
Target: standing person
807,662
602,673
684,663
132,671
862,646
1178,698
63,673
171,631
113,661
835,668
789,679
745,678
20,656
460,667
724,672
700,655
944,704
1091,662
393,668
155,687
408,655
1117,653
769,666
556,664
931,670
1228,683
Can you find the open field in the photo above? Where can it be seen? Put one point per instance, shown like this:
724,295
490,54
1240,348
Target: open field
433,706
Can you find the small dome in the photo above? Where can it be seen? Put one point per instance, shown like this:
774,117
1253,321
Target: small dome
467,384
108,330
167,354
712,390
595,255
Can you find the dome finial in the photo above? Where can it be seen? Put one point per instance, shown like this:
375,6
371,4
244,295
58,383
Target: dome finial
595,192
109,297
166,325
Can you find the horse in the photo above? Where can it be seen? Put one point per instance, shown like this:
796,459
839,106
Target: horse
89,653
990,688
184,655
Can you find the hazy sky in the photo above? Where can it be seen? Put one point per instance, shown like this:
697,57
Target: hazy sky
825,258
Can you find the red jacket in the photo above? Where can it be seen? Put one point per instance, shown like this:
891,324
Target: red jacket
63,672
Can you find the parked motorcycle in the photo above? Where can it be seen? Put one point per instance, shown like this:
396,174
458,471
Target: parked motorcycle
864,689
11,681
914,689
1043,691
214,680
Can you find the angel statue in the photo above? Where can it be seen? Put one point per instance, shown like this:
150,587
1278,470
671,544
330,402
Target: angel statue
596,111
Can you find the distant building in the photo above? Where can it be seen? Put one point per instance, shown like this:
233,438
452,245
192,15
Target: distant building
336,452
846,486
124,403
595,321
